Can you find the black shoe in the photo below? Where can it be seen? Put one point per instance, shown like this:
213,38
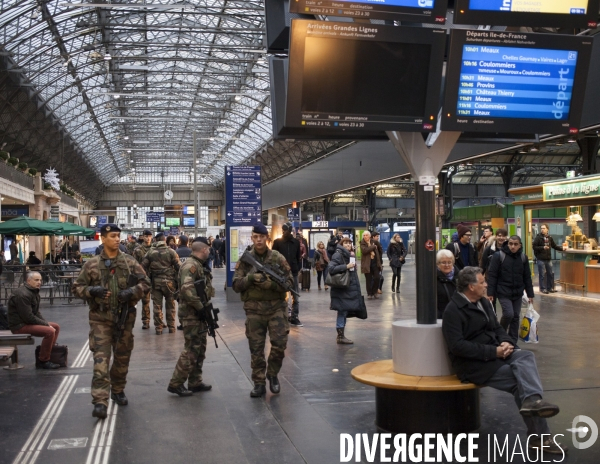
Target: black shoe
274,385
545,292
258,391
99,411
119,398
49,365
296,322
180,390
200,388
552,291
179,327
145,326
535,406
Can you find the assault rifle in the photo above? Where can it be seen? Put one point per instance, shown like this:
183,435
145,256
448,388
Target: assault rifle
208,313
123,311
276,275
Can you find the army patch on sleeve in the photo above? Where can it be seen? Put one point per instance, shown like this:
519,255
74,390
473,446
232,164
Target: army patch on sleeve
193,269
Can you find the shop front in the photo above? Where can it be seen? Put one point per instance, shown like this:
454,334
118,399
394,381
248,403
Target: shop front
570,208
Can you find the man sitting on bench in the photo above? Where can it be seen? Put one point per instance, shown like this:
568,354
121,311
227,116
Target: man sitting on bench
482,353
24,317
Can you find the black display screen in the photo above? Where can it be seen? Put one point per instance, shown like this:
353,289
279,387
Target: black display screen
371,77
421,11
399,86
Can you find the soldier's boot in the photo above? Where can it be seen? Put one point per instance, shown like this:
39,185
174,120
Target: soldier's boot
258,390
119,398
341,339
172,330
99,411
202,387
274,385
158,331
180,390
145,325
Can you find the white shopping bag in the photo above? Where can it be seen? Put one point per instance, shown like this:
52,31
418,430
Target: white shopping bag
529,326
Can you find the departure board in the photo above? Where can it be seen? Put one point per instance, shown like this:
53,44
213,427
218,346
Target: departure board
433,11
528,13
537,6
516,83
506,82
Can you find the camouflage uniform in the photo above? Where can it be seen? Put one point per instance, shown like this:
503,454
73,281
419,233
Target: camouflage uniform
139,253
131,246
265,310
102,323
189,365
162,265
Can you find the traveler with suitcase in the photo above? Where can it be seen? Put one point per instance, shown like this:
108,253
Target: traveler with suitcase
24,317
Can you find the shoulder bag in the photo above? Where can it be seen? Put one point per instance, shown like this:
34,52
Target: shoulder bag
341,280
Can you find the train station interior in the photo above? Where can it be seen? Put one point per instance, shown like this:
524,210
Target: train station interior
418,121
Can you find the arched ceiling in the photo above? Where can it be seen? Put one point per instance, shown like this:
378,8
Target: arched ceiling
125,86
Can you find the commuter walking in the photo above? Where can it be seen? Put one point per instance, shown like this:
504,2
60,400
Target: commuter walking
162,265
464,253
266,311
289,247
542,244
495,245
375,237
321,264
344,299
370,264
103,283
396,254
217,245
183,251
508,277
484,241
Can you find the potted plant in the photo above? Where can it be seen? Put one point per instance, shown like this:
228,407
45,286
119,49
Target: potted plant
32,171
47,186
4,155
23,166
13,161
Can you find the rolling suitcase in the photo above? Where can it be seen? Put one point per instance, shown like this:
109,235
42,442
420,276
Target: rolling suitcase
58,356
305,279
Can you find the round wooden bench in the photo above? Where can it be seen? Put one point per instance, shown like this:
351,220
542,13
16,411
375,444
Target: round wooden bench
412,404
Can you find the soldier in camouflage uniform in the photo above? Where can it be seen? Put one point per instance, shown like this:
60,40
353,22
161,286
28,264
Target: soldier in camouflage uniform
139,253
162,265
131,244
189,365
103,282
266,310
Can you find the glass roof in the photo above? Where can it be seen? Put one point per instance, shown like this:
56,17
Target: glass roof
131,82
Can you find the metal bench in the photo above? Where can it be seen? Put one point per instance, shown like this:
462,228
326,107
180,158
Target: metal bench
10,341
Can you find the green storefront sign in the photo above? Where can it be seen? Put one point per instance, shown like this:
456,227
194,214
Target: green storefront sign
572,189
528,197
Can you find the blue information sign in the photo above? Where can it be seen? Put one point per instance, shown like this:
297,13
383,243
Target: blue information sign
506,82
243,188
293,214
154,216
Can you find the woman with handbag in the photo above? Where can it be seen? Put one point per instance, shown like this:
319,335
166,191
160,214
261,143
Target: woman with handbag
321,263
345,287
396,253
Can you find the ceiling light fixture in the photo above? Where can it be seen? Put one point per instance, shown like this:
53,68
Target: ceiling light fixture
107,57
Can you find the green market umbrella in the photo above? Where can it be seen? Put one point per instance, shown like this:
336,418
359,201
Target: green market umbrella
25,225
68,228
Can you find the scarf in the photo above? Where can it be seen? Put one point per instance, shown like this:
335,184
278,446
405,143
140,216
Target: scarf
450,275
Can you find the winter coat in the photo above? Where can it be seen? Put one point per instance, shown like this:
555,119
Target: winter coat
445,290
472,336
321,259
24,308
486,256
344,299
396,253
509,278
538,247
332,245
473,261
289,247
365,260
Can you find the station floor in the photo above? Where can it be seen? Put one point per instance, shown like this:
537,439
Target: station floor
45,416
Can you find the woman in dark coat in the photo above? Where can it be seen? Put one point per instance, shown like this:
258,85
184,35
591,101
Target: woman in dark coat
446,280
396,252
344,299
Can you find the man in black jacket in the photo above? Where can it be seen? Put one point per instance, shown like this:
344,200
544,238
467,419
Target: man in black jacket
24,317
541,249
508,277
289,247
217,244
463,251
482,353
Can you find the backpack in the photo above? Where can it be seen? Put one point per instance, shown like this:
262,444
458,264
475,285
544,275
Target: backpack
503,256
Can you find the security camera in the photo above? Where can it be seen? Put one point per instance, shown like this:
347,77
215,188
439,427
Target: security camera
500,205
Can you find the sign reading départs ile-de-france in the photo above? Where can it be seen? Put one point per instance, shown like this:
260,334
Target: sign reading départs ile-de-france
584,187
